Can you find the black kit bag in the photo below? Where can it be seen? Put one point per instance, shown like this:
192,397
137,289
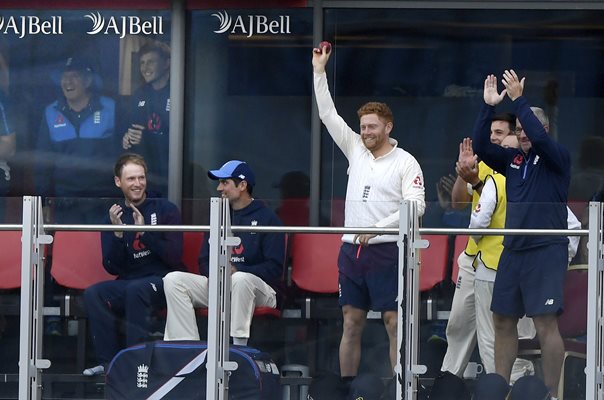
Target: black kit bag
177,370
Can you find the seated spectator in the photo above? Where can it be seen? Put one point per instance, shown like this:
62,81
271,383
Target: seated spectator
138,259
256,264
76,146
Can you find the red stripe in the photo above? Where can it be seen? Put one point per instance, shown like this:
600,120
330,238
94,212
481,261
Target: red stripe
147,4
86,5
242,4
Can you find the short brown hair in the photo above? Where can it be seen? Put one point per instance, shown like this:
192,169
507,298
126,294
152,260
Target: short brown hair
162,49
128,158
380,109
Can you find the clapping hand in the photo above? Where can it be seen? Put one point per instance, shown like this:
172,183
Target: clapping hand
491,97
513,85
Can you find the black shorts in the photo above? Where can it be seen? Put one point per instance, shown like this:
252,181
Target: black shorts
531,281
368,278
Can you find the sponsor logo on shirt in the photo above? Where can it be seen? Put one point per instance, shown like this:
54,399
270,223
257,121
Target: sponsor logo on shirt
517,161
238,250
60,121
536,160
477,208
418,182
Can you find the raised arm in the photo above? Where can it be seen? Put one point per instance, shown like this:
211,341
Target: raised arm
344,137
467,173
555,155
493,155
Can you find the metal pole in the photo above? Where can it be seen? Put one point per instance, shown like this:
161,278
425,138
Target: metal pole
595,306
315,129
408,303
177,90
219,299
32,300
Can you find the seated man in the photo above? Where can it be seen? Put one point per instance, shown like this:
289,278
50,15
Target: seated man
138,259
256,264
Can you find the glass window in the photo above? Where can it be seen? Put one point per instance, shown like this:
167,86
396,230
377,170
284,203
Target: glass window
248,98
68,78
430,65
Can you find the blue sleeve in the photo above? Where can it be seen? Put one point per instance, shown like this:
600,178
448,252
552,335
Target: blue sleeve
273,250
115,255
166,245
6,128
555,155
204,257
493,155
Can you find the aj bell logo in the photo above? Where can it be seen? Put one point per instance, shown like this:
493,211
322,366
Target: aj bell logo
125,25
252,25
31,25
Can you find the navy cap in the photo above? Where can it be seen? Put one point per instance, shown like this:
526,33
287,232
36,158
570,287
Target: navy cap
529,388
80,64
491,387
366,387
234,169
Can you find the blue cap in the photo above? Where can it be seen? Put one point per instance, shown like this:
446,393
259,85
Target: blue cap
79,64
234,169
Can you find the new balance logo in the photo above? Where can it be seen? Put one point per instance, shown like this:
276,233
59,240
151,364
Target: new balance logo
549,302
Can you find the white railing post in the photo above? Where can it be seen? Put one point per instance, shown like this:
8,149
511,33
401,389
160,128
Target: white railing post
32,300
219,300
407,369
595,305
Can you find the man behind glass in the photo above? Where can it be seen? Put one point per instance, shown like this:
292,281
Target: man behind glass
138,259
531,271
76,145
380,175
147,123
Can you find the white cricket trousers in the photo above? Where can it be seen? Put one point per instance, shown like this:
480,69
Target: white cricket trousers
186,291
471,323
461,327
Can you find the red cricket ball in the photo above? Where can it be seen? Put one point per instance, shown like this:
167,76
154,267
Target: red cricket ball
327,46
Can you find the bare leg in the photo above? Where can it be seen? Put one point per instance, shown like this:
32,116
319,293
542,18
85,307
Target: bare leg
506,344
350,345
390,321
552,350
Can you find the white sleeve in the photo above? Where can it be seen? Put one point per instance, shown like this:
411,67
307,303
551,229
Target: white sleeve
573,241
483,212
344,137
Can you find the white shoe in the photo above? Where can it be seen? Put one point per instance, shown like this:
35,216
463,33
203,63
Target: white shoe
98,370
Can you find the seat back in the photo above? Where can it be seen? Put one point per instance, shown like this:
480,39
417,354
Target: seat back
433,267
191,247
572,322
10,262
77,259
315,261
461,241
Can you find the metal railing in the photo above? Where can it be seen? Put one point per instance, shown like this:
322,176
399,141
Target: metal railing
34,237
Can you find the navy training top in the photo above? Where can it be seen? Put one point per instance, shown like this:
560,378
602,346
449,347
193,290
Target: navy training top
536,182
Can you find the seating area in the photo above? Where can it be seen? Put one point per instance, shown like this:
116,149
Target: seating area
311,303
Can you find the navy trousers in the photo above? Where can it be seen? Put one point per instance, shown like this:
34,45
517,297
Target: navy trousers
107,303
